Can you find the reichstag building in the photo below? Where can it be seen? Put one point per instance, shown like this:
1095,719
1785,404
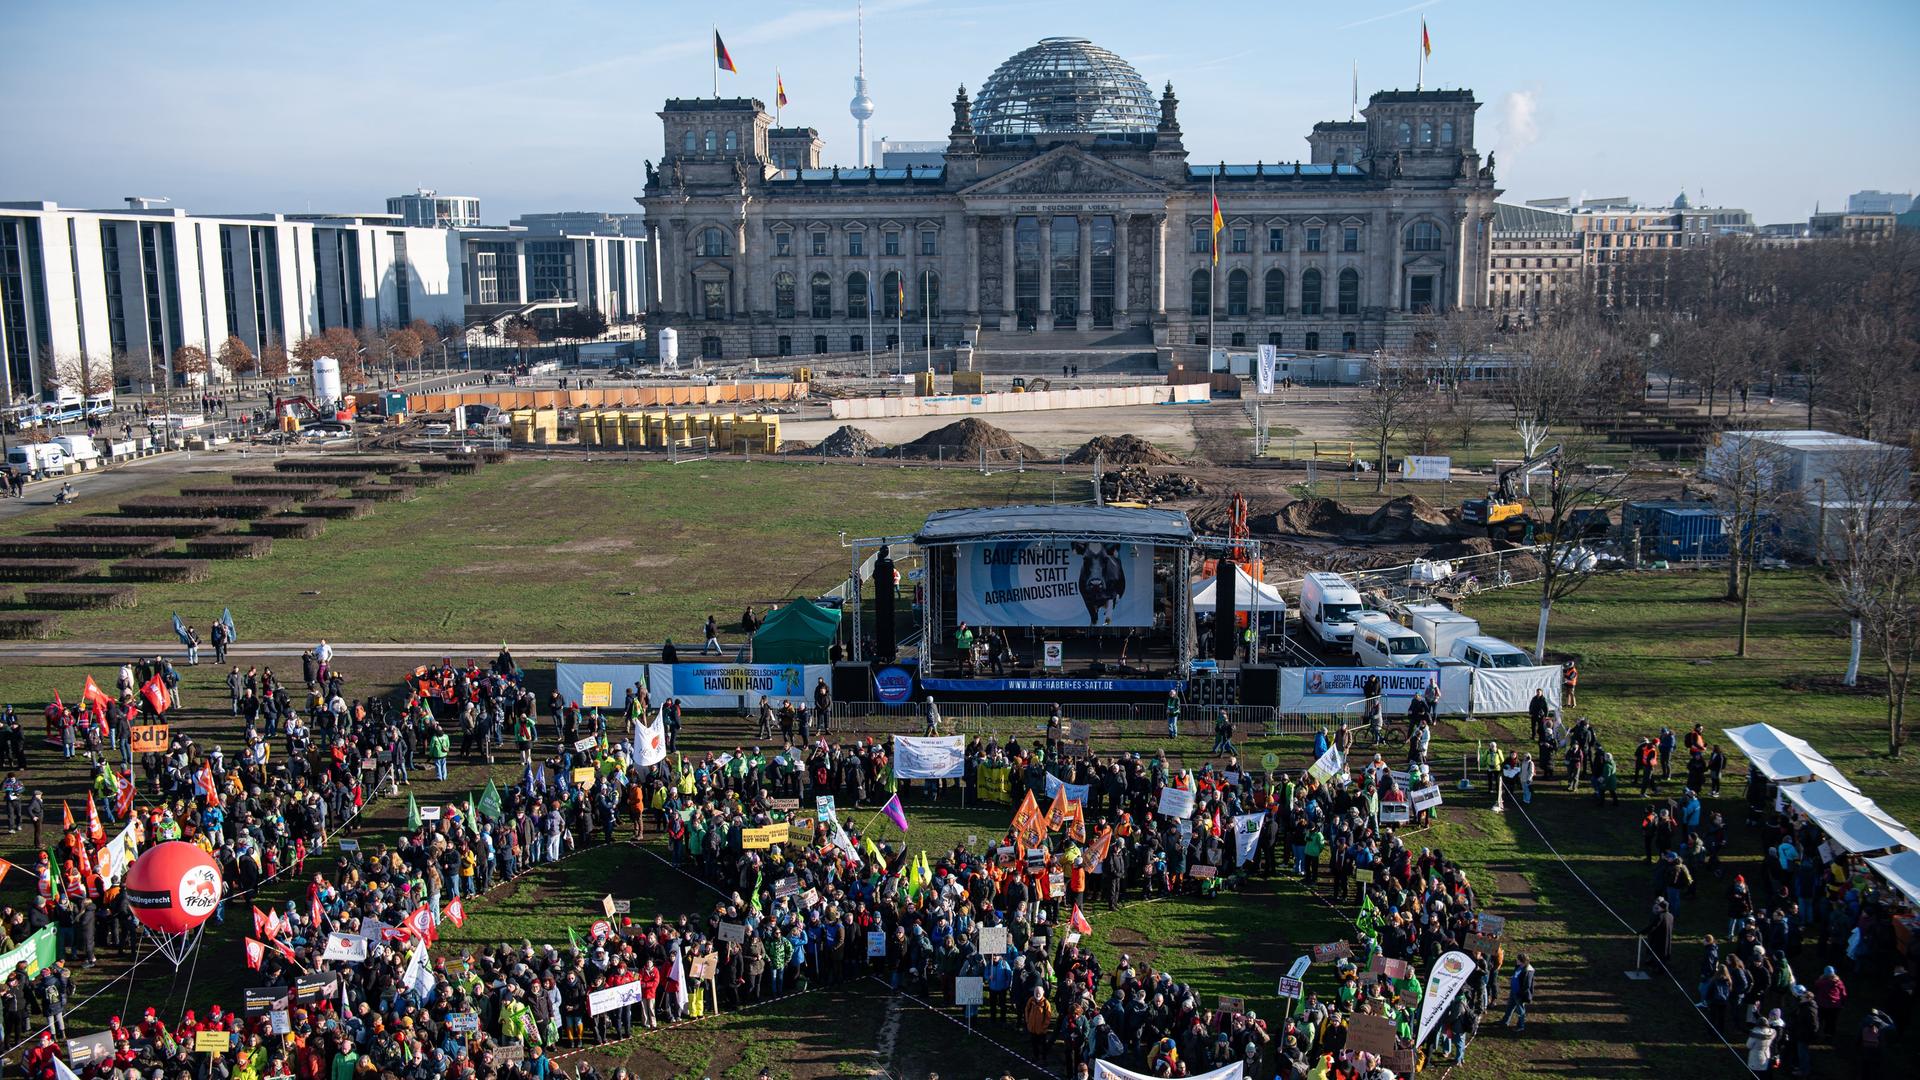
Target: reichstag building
1067,212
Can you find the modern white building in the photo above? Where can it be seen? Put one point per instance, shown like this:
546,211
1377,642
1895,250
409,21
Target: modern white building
130,287
428,209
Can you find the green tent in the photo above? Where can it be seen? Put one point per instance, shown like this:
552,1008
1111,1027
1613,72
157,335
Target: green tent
799,632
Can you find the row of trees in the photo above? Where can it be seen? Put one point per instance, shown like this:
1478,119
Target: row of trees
356,352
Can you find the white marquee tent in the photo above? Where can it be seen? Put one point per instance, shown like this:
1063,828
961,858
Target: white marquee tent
1902,871
1270,600
1781,757
1853,822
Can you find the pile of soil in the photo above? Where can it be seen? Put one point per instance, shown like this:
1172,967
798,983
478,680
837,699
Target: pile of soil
1408,517
963,441
1460,549
1135,484
1121,450
1314,517
1522,566
850,441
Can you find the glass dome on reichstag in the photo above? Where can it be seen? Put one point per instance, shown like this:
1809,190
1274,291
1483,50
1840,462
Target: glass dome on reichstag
1064,85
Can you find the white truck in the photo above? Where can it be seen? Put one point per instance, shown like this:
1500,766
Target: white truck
81,451
1328,605
37,459
1440,626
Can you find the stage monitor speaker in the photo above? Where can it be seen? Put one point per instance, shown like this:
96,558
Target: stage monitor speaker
1226,630
1259,685
852,682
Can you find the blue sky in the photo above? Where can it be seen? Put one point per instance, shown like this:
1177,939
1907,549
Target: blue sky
244,106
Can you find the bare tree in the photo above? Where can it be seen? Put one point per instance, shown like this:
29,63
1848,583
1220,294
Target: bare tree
1460,337
1746,478
1466,416
1427,417
1869,511
81,373
1564,370
1381,412
274,362
134,366
1565,563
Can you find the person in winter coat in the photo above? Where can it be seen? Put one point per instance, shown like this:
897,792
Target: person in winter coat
1039,1023
1760,1040
1829,994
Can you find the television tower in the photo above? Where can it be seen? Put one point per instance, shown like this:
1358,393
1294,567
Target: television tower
861,106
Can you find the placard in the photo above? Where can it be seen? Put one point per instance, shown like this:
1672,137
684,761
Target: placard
585,743
1300,966
596,695
1390,967
704,967
583,776
786,886
876,943
969,990
1073,937
87,1049
1270,761
733,933
260,1000
430,813
614,997
1290,987
1176,803
1056,884
151,738
763,837
800,828
212,1042
1485,943
1080,731
1425,798
1491,925
823,805
810,898
1230,1004
1371,1034
345,947
1401,1061
1332,950
315,985
1394,812
1202,871
279,1022
464,1023
993,940
349,844
785,806
1364,875
510,1053
600,928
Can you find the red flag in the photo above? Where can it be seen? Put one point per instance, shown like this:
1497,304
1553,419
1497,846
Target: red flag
5,869
318,915
721,57
260,922
123,797
1079,923
94,828
93,695
205,786
456,913
421,923
67,813
155,691
256,954
284,949
276,925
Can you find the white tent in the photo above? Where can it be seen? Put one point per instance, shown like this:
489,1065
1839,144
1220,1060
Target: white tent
1243,595
1783,757
1902,871
1851,820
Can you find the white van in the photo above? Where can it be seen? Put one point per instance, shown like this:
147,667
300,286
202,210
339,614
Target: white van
1490,652
1327,607
80,449
37,459
1440,626
1380,642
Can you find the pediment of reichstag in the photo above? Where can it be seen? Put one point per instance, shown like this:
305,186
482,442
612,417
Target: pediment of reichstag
1065,170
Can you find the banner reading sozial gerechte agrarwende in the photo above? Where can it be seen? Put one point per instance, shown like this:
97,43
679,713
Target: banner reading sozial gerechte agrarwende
1054,583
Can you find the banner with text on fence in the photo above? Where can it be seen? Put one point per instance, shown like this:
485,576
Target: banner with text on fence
1054,583
940,757
723,686
1340,690
599,686
1510,690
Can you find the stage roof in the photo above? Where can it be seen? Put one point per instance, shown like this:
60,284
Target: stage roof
1098,523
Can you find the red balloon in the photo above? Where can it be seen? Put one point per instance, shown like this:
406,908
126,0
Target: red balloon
173,887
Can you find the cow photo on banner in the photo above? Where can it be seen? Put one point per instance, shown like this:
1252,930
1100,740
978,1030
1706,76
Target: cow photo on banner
1054,583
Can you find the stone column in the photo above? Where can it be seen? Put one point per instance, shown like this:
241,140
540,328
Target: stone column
739,261
1397,252
1043,319
1085,321
1122,233
1007,311
971,253
1158,286
676,250
1460,258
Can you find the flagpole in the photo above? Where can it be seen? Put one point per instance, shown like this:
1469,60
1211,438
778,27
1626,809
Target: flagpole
927,311
776,97
1420,80
870,299
714,49
1213,268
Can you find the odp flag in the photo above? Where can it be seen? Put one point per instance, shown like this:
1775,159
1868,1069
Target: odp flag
650,742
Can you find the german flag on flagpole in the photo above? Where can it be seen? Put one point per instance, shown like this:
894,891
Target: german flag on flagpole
1426,40
721,57
1218,224
779,90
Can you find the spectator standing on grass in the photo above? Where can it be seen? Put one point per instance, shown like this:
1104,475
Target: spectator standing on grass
713,636
1519,994
1569,684
1173,714
322,660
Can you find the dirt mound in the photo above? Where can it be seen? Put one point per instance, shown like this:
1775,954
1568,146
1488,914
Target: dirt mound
963,441
1135,484
1408,517
1522,565
1314,517
1121,450
1460,549
850,441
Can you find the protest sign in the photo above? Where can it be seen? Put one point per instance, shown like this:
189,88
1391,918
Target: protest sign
1484,943
1300,966
969,990
212,1042
1201,871
1390,967
733,933
1290,987
1371,1034
260,1000
349,844
583,775
1331,951
810,898
876,943
786,886
1328,765
581,746
1425,798
993,940
345,947
1492,925
151,738
465,1023
704,967
1176,803
1393,812
279,1022
1363,874
763,837
823,805
1232,1004
510,1053
800,828
613,997
88,1049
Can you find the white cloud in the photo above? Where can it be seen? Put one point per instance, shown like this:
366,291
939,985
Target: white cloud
1517,118
1422,5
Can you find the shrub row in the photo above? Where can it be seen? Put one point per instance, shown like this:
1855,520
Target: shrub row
383,492
261,491
331,464
83,547
146,526
71,597
464,466
338,509
494,457
417,479
242,508
24,625
230,547
288,527
176,571
45,569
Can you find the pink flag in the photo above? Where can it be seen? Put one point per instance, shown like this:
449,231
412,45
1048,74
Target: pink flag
895,812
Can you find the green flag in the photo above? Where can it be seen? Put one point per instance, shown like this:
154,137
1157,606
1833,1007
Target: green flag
413,812
573,940
472,818
490,802
1369,918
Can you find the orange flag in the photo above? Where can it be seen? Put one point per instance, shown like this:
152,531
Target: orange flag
93,822
1057,813
67,813
1097,851
5,869
1076,822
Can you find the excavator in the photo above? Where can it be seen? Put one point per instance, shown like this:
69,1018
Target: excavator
1501,512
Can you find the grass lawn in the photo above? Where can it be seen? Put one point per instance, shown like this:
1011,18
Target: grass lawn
566,552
